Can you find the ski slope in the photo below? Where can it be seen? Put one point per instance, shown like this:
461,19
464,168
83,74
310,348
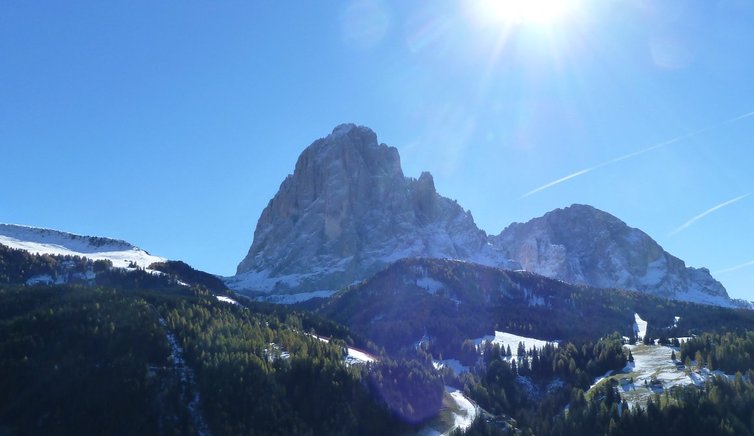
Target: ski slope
640,327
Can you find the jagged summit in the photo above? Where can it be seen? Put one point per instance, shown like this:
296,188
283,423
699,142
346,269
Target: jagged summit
346,212
347,128
584,245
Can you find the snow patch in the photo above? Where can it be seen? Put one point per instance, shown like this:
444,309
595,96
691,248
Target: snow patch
468,410
511,340
430,285
355,356
453,364
225,299
44,279
640,326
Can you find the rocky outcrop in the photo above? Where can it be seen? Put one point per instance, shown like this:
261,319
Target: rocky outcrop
348,211
583,245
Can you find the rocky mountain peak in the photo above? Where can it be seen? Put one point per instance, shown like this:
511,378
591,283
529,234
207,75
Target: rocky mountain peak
346,212
584,245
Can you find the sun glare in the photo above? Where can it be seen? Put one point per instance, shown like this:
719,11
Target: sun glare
524,11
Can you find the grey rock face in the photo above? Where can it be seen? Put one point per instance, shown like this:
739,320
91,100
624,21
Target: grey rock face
346,212
583,245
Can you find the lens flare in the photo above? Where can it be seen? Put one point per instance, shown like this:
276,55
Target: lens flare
524,11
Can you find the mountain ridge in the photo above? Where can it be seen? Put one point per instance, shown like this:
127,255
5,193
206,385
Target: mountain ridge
38,240
581,244
450,301
348,211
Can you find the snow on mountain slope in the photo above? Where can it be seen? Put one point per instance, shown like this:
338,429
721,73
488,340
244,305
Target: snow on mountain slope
640,327
53,242
586,246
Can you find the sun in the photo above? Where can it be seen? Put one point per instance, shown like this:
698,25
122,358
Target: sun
540,12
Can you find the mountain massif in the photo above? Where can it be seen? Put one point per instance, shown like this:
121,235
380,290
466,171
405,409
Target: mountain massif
348,211
583,245
459,332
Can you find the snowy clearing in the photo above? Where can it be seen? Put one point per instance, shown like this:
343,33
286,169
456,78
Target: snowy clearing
510,340
654,372
458,412
431,285
453,364
225,299
357,356
353,355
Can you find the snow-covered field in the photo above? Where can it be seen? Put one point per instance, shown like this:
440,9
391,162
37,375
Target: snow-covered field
510,340
652,371
44,241
358,356
653,362
453,364
225,299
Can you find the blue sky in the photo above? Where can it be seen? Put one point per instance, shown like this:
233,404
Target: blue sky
172,124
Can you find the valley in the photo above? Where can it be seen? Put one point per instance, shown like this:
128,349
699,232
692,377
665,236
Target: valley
370,304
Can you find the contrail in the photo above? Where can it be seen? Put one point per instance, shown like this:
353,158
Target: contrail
735,268
543,187
637,153
688,223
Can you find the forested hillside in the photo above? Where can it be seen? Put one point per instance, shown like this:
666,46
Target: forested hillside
134,352
450,301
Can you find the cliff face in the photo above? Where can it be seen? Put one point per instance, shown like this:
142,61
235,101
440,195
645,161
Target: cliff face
346,212
583,245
